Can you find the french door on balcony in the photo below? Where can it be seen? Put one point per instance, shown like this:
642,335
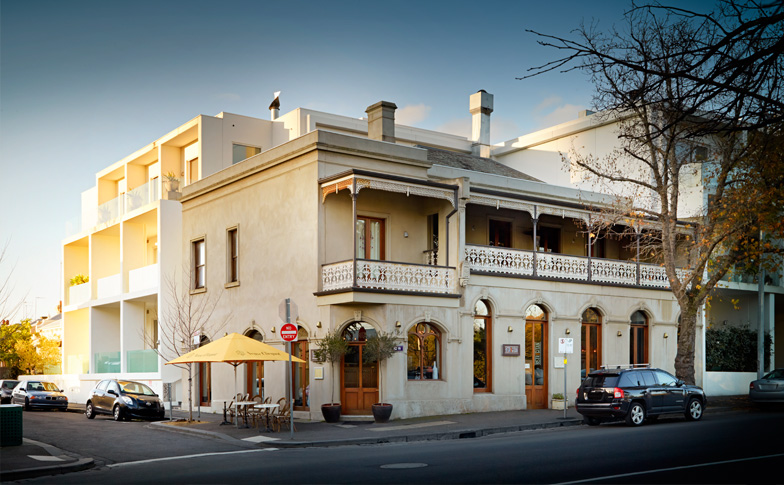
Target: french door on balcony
370,238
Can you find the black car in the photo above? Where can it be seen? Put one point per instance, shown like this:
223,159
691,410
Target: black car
39,394
124,400
636,394
6,386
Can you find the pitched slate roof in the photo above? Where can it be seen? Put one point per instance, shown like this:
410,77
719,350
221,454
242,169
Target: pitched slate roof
471,162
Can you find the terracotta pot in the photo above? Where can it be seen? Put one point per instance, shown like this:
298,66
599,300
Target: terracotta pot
381,412
331,412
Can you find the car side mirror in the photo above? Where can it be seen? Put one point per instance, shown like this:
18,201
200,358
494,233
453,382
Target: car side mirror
112,392
679,383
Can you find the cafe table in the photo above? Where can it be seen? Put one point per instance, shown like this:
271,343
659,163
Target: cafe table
242,407
268,408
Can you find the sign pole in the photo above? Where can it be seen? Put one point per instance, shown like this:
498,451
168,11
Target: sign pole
566,396
565,347
290,386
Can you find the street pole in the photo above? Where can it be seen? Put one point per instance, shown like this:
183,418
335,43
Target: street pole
290,385
566,396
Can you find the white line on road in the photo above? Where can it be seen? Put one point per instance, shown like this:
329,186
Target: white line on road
141,462
622,475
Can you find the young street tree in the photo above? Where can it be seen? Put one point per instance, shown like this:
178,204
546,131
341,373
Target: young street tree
185,316
696,97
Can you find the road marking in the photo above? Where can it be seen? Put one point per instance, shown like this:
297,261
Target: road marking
259,439
45,458
153,460
404,466
684,467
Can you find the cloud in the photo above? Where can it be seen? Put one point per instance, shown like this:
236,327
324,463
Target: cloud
561,114
502,129
459,127
547,102
412,114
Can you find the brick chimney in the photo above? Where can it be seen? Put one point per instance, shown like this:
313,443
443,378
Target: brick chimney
481,105
381,121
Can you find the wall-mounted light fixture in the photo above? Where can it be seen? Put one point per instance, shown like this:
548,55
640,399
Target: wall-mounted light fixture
666,336
272,330
619,333
397,324
405,233
567,332
318,325
509,328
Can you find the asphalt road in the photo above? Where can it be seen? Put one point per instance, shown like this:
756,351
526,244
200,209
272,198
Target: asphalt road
722,448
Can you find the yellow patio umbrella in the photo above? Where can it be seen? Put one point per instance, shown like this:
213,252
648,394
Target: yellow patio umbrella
234,349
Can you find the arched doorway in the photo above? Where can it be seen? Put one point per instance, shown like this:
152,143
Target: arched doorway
536,357
300,372
359,379
254,371
638,339
591,343
483,346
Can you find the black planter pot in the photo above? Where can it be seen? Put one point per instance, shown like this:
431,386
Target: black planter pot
381,412
331,412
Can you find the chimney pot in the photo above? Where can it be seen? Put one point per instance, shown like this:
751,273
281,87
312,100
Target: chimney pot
381,121
480,105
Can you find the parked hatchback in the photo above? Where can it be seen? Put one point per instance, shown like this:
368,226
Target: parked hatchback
636,394
6,386
39,394
124,400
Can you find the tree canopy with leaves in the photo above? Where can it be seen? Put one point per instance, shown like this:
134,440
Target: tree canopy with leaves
692,94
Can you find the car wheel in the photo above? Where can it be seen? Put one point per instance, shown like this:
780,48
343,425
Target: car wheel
636,414
591,421
89,411
27,405
694,409
118,414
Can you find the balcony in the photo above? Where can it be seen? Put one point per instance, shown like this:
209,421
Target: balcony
143,278
141,196
79,294
107,362
142,360
518,262
388,276
110,286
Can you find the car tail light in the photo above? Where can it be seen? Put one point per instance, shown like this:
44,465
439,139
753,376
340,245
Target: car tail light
617,393
578,392
751,386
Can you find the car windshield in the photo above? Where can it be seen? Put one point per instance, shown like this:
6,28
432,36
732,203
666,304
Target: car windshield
776,374
601,380
42,386
136,388
9,384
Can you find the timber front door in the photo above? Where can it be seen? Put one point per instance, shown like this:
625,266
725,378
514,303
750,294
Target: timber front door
536,358
359,379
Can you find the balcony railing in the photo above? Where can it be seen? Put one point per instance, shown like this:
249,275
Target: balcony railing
521,262
79,293
385,275
143,278
110,286
141,195
142,360
107,362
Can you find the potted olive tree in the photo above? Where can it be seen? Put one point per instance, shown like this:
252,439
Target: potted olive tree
379,348
331,349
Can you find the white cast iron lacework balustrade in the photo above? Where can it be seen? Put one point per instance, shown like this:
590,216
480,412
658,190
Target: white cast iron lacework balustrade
500,260
385,275
491,259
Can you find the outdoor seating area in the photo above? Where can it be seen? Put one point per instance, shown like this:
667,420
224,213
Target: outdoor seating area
258,413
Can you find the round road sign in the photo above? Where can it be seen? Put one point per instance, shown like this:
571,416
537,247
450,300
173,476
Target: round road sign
288,332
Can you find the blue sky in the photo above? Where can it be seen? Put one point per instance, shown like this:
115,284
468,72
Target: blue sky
84,83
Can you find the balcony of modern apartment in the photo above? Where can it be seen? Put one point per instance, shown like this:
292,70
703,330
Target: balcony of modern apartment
385,235
500,235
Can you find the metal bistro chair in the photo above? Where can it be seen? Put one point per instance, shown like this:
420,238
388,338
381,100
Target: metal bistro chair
260,415
283,416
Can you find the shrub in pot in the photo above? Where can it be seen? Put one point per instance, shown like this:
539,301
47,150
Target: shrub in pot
331,349
378,348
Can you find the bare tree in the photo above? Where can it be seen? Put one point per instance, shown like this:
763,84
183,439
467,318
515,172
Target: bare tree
7,307
695,97
183,316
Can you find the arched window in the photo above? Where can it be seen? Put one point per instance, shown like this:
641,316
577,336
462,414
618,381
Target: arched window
638,338
591,342
424,352
300,372
483,336
205,377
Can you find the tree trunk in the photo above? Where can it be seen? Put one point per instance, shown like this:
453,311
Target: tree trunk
684,359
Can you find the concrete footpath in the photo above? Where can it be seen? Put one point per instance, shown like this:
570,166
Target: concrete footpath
34,459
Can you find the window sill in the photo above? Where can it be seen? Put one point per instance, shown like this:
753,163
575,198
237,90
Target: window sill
198,290
232,284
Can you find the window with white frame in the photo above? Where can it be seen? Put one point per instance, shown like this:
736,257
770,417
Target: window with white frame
199,258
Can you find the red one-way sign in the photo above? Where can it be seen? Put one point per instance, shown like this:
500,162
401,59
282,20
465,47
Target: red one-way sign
288,332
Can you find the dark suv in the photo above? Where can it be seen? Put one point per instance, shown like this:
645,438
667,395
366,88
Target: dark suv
636,394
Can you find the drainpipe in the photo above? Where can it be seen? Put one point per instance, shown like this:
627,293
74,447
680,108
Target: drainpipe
536,242
590,244
637,230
